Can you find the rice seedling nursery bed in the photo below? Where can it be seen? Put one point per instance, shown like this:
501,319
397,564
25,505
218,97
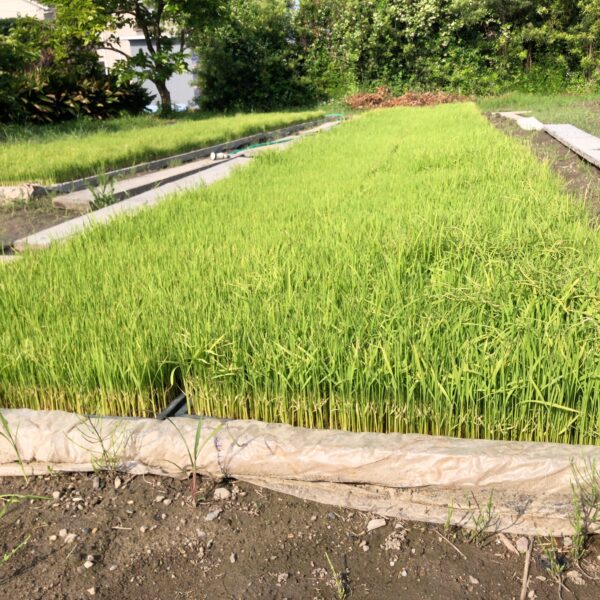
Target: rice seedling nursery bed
60,153
414,270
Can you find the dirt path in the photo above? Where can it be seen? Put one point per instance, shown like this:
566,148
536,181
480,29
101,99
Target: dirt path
144,540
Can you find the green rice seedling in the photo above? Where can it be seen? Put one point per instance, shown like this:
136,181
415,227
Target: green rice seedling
7,434
586,506
194,453
338,580
103,193
61,153
412,270
6,501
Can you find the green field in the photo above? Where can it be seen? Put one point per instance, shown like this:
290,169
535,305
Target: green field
583,111
52,154
413,270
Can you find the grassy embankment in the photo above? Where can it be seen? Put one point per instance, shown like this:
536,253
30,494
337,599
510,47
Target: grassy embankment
583,111
52,154
413,270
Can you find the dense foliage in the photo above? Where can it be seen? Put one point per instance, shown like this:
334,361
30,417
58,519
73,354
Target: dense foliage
47,74
471,46
337,46
252,59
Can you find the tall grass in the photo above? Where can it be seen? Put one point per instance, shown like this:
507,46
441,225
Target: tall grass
52,154
413,270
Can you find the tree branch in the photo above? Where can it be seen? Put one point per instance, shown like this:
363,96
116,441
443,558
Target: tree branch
113,49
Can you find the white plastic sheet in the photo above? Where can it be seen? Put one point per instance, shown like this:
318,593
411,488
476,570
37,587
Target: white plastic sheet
415,477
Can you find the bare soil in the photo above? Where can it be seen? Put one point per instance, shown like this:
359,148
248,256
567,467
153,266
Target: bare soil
145,540
25,218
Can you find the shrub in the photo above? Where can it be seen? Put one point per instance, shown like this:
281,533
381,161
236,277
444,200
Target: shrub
46,76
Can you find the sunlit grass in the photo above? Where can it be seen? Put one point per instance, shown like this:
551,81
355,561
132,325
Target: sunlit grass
583,111
413,270
51,154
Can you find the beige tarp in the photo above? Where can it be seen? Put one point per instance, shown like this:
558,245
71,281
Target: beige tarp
406,476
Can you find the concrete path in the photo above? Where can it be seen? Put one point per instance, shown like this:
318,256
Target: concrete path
582,143
82,200
43,239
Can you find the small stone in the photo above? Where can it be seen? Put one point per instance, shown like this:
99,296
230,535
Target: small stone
314,518
167,501
96,483
62,533
522,545
376,524
215,514
567,542
221,493
52,538
159,499
365,548
531,595
143,529
112,568
282,578
540,578
56,495
473,580
88,564
232,558
404,573
575,577
332,516
91,591
70,538
118,483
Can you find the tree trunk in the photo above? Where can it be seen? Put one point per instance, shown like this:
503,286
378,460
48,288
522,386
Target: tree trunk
165,97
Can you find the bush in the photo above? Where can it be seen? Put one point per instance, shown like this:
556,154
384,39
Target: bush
47,77
252,61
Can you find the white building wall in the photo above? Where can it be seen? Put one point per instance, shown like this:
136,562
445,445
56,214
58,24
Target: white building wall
10,9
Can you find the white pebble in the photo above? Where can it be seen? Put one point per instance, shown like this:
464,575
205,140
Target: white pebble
376,524
221,493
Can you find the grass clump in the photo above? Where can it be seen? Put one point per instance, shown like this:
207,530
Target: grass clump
413,270
52,154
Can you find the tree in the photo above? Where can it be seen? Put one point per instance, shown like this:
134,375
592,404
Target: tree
165,24
252,60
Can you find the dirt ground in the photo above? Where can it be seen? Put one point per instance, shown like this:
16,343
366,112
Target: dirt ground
24,218
143,539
